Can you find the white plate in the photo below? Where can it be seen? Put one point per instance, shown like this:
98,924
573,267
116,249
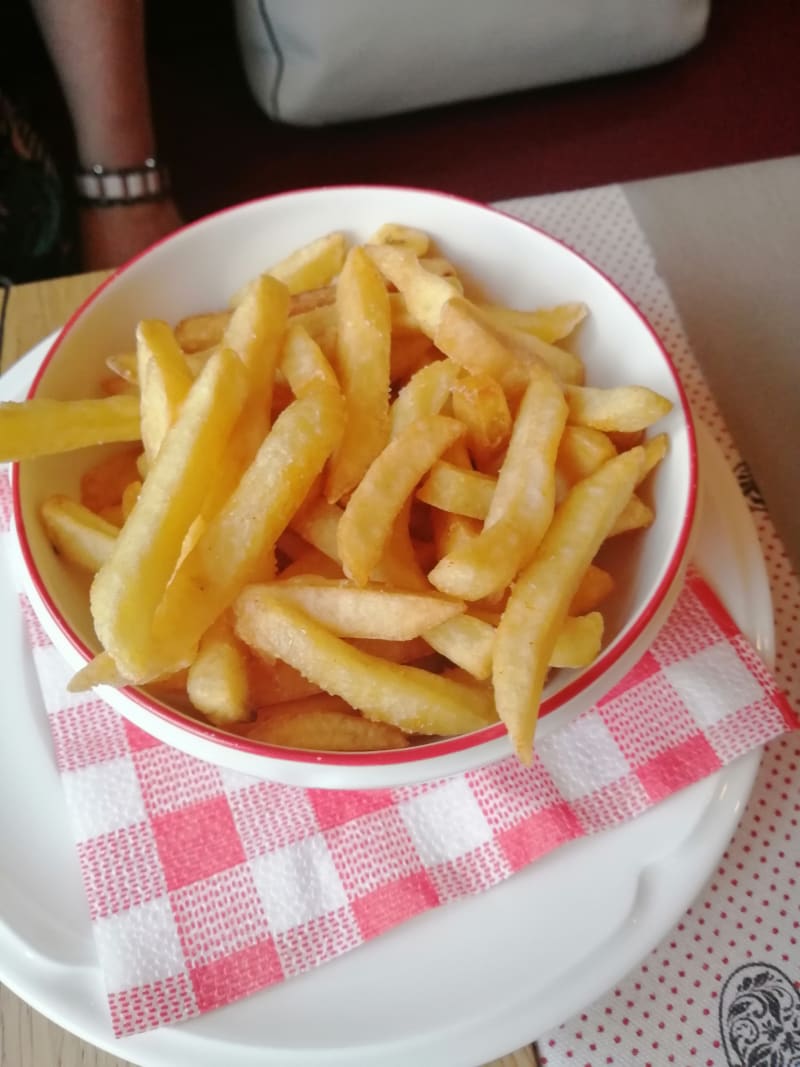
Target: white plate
457,986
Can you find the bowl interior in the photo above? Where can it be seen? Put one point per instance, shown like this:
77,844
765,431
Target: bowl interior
505,260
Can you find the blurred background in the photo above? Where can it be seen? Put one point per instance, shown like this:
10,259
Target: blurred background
733,98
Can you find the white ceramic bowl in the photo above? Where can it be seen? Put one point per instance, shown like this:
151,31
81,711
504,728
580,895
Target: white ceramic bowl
196,270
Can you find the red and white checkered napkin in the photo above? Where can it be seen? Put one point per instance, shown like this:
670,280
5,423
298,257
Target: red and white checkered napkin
205,885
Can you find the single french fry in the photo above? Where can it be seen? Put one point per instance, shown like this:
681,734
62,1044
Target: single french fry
394,233
626,408
456,490
44,427
423,292
128,588
125,366
403,322
217,681
523,501
451,531
307,273
548,324
164,381
255,332
581,452
595,586
466,641
314,265
320,323
426,393
197,332
364,340
318,524
399,565
462,334
655,448
371,612
443,267
480,403
130,495
233,545
100,670
636,515
195,361
324,724
308,299
566,366
103,484
540,599
77,534
243,443
410,698
303,362
579,641
377,500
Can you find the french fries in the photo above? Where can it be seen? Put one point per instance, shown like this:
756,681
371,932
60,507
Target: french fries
77,533
43,427
129,587
366,524
217,681
480,403
164,380
357,509
364,341
230,549
626,408
522,503
324,723
372,612
411,698
540,599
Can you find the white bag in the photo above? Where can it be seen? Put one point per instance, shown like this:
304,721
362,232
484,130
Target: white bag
317,61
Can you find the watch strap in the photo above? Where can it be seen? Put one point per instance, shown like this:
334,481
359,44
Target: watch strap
101,186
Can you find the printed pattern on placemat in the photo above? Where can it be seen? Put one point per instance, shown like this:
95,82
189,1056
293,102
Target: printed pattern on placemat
670,1009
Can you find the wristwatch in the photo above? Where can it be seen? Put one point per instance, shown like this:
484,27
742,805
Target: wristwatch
100,186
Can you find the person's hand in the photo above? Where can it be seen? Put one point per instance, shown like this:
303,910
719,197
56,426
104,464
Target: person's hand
112,235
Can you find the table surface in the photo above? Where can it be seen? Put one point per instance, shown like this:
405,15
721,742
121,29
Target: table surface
727,242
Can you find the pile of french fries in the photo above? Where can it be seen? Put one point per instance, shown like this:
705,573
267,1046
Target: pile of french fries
355,510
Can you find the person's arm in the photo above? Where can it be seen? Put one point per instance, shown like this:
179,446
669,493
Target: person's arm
98,49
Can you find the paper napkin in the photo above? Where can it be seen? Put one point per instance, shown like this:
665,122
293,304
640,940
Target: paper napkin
205,885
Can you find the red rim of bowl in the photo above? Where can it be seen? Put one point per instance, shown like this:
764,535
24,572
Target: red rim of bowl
432,749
